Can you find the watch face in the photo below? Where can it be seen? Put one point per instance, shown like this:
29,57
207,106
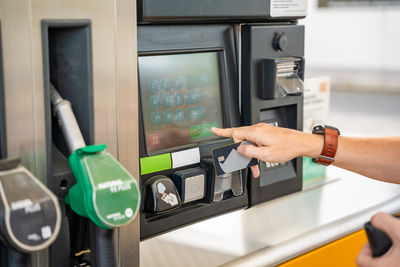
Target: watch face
318,129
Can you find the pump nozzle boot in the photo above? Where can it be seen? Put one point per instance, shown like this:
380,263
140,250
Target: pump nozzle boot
30,215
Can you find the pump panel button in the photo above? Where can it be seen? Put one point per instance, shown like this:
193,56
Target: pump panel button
280,42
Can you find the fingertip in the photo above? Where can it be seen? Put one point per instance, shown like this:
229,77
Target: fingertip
241,149
214,129
256,171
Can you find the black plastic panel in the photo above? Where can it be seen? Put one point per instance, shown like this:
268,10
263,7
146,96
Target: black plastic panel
202,10
160,40
3,140
67,64
258,45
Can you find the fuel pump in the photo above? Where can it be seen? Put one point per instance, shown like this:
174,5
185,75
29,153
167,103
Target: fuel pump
105,192
30,215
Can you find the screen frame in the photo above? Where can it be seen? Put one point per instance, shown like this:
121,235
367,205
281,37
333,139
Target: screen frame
223,94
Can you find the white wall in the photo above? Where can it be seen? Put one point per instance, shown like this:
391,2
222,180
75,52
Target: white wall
359,38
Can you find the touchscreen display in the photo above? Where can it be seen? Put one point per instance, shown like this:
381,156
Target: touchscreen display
180,98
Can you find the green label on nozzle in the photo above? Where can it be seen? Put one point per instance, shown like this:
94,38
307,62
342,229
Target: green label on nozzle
117,197
104,191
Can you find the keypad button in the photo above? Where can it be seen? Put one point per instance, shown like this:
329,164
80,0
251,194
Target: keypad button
155,139
154,101
156,118
167,100
178,99
195,113
180,115
164,84
194,97
152,86
168,116
179,83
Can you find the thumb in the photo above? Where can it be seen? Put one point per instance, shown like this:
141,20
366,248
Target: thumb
252,151
389,224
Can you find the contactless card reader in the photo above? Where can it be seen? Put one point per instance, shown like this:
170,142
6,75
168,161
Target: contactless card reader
161,195
30,215
191,184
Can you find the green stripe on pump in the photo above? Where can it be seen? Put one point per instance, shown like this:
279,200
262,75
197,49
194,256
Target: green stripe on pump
155,163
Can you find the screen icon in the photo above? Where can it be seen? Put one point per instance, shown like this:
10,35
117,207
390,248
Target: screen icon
155,139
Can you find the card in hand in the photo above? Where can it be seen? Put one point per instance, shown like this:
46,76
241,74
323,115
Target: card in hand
227,159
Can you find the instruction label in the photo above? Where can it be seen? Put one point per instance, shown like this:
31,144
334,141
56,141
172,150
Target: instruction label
288,8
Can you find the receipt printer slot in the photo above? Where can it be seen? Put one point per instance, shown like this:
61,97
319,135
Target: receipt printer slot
281,77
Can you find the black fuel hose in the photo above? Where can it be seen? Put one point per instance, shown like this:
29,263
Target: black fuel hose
106,249
18,259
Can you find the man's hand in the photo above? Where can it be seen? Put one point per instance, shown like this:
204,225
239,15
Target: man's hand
391,226
272,144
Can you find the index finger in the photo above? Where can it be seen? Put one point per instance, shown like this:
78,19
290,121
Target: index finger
227,132
238,134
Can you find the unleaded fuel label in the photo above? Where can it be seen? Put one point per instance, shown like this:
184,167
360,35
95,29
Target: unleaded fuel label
32,214
116,195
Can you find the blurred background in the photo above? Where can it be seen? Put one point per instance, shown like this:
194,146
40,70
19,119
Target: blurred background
356,43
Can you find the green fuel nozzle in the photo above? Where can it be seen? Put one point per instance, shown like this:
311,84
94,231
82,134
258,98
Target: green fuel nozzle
104,191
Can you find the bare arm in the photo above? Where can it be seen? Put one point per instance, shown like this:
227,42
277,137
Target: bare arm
377,158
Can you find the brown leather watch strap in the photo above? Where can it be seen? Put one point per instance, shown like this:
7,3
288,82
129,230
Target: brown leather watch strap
329,149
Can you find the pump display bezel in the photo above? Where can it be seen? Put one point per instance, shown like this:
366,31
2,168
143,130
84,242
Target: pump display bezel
172,39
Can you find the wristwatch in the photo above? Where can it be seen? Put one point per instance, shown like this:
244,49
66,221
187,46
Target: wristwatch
331,134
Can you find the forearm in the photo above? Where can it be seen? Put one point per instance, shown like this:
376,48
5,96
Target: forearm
377,158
